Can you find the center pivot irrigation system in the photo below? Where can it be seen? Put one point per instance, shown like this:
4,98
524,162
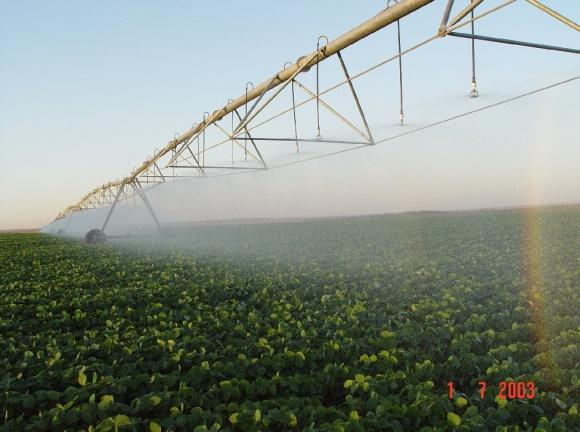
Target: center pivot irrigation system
186,155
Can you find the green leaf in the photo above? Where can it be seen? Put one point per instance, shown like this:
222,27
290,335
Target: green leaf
122,420
501,402
453,419
386,334
234,418
70,403
106,402
82,379
106,425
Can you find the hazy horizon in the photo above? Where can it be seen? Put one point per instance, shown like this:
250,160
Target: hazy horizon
146,223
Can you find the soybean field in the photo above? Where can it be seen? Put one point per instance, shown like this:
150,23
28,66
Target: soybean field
424,321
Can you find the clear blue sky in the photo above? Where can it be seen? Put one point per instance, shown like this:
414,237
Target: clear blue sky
89,89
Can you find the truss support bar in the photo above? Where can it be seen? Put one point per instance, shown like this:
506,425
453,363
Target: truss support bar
230,137
314,140
470,7
157,183
514,42
445,18
158,170
119,193
252,141
220,167
554,14
245,120
153,177
333,111
294,116
137,186
244,123
196,160
186,142
354,95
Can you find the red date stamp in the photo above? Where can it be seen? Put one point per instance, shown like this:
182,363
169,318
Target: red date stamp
507,389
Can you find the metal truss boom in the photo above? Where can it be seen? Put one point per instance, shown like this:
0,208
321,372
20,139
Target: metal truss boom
384,18
180,152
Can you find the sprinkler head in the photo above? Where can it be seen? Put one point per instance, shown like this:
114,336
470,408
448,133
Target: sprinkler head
474,93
